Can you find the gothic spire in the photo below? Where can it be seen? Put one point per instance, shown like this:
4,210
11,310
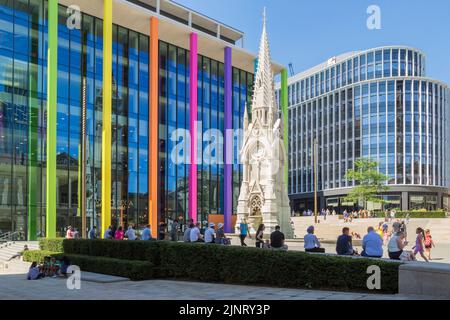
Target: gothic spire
263,97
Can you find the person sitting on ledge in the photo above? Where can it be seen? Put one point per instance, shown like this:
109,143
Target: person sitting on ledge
372,244
312,244
210,233
344,245
277,240
195,235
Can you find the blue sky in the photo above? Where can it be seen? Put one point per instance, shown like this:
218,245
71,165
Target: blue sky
307,32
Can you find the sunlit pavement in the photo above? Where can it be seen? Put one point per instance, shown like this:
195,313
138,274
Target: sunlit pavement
14,286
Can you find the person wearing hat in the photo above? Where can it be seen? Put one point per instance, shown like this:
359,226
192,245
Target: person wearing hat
210,233
220,236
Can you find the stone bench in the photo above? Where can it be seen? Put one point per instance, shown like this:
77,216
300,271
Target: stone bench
427,279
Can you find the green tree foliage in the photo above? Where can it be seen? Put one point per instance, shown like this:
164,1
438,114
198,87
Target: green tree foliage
370,183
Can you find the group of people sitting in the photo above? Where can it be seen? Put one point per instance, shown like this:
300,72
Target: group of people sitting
51,267
211,235
373,241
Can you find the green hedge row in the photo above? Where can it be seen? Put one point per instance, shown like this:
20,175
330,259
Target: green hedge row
38,255
132,269
415,214
252,266
233,265
55,245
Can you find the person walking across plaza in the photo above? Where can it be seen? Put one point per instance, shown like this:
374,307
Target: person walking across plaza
259,237
244,232
429,243
372,244
312,244
420,245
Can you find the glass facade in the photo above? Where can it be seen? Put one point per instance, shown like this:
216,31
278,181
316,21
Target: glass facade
23,94
174,114
388,111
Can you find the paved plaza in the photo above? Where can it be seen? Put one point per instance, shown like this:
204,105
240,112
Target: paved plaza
14,286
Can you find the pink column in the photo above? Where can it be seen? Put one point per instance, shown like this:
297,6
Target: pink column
193,126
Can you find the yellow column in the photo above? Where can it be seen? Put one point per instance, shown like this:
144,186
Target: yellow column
107,110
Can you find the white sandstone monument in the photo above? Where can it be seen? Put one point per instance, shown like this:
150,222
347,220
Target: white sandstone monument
263,196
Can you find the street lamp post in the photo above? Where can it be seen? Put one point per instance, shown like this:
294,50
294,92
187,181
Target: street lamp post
315,160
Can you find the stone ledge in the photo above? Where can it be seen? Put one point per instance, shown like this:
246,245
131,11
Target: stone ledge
426,279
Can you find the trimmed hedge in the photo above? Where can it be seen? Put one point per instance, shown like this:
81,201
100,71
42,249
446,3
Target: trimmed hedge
415,214
134,270
226,264
252,266
55,245
38,255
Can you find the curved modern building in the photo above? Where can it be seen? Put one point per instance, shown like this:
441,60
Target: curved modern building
377,104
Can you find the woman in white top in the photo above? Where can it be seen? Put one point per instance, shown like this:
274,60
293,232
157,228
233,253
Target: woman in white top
312,244
396,245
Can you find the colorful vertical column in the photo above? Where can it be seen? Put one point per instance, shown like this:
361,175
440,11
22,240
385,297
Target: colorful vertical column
153,154
228,172
193,77
284,111
52,105
107,111
33,169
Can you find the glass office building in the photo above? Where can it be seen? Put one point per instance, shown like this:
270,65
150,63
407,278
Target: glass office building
375,104
162,55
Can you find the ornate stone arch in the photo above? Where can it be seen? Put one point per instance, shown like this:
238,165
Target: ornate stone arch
256,204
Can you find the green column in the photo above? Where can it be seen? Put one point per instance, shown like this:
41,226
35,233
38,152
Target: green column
52,74
33,171
284,110
33,114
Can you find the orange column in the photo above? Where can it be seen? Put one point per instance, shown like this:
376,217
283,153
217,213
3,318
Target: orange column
153,154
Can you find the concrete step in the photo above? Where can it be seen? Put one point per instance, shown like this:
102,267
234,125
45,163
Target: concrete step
12,248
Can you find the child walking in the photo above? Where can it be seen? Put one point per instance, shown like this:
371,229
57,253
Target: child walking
419,247
429,243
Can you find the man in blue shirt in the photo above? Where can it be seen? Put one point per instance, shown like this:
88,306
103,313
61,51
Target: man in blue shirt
372,244
146,233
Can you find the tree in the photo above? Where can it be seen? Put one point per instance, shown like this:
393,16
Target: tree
370,183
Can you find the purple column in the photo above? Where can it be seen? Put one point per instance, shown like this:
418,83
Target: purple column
193,77
228,182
